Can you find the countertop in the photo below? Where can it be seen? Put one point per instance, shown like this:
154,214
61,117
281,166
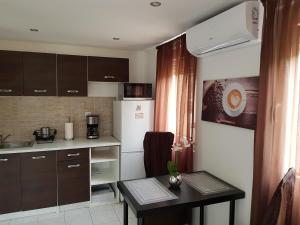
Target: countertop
63,145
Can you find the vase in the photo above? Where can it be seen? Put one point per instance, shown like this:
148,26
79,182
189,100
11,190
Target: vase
175,181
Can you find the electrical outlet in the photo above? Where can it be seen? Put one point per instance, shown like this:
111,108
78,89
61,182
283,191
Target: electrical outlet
87,114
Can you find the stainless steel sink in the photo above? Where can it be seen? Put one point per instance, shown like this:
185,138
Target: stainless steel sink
19,144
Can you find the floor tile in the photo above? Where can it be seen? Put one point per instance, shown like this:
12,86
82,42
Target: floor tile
30,220
78,217
52,219
119,211
4,222
132,221
103,215
50,216
113,223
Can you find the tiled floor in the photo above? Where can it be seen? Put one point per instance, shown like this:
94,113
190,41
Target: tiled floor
99,215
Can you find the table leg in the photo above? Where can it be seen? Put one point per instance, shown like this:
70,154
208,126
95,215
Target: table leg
140,221
231,212
201,215
125,213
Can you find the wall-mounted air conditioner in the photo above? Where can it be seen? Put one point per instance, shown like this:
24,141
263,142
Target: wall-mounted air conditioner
233,27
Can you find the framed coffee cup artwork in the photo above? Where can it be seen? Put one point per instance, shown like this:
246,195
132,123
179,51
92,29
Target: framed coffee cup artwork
231,101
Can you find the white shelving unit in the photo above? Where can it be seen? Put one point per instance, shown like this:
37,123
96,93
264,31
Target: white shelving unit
103,156
104,173
105,176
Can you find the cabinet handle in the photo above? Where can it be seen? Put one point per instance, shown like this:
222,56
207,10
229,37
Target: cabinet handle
74,155
73,166
72,91
40,91
6,90
3,160
39,157
109,77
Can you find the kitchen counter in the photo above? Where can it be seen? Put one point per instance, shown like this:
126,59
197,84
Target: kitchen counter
63,145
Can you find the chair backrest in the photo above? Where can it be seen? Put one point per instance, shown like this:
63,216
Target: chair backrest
157,152
279,211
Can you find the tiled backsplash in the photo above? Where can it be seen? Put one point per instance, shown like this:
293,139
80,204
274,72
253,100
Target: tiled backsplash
21,115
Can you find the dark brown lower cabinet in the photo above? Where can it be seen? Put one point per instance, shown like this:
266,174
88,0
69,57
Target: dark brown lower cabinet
39,180
73,176
10,184
29,180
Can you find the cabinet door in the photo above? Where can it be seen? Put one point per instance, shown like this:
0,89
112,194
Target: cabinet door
39,74
73,176
10,186
39,180
11,73
108,69
72,75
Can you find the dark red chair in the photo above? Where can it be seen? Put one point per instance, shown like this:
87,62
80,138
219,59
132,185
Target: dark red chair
279,210
157,152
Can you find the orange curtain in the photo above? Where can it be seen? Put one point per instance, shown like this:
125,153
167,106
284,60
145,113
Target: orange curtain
175,96
276,133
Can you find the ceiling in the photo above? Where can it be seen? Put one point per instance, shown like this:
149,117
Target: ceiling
96,22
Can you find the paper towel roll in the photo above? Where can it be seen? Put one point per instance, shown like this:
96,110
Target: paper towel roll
69,131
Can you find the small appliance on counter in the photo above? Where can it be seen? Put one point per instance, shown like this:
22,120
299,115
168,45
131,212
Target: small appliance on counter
92,126
45,135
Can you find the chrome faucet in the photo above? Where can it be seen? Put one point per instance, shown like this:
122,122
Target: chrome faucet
3,138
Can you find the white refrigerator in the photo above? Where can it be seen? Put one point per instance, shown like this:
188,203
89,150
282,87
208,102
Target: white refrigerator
131,120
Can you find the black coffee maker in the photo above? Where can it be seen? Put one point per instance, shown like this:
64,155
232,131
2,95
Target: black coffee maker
92,126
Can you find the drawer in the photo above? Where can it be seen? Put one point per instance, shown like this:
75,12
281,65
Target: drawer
74,154
74,168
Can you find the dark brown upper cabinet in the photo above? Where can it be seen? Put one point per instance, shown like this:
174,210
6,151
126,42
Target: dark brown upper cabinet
72,75
39,74
11,73
108,69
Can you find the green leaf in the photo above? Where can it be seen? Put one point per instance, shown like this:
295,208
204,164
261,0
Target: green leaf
172,168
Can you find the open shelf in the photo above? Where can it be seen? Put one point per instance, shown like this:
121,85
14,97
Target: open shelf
103,156
104,172
102,194
98,179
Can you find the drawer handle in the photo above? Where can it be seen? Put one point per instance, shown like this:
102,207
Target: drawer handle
109,77
73,166
39,157
40,91
3,160
74,155
72,91
6,90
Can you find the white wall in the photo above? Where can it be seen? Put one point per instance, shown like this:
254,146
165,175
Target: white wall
144,69
226,151
140,62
